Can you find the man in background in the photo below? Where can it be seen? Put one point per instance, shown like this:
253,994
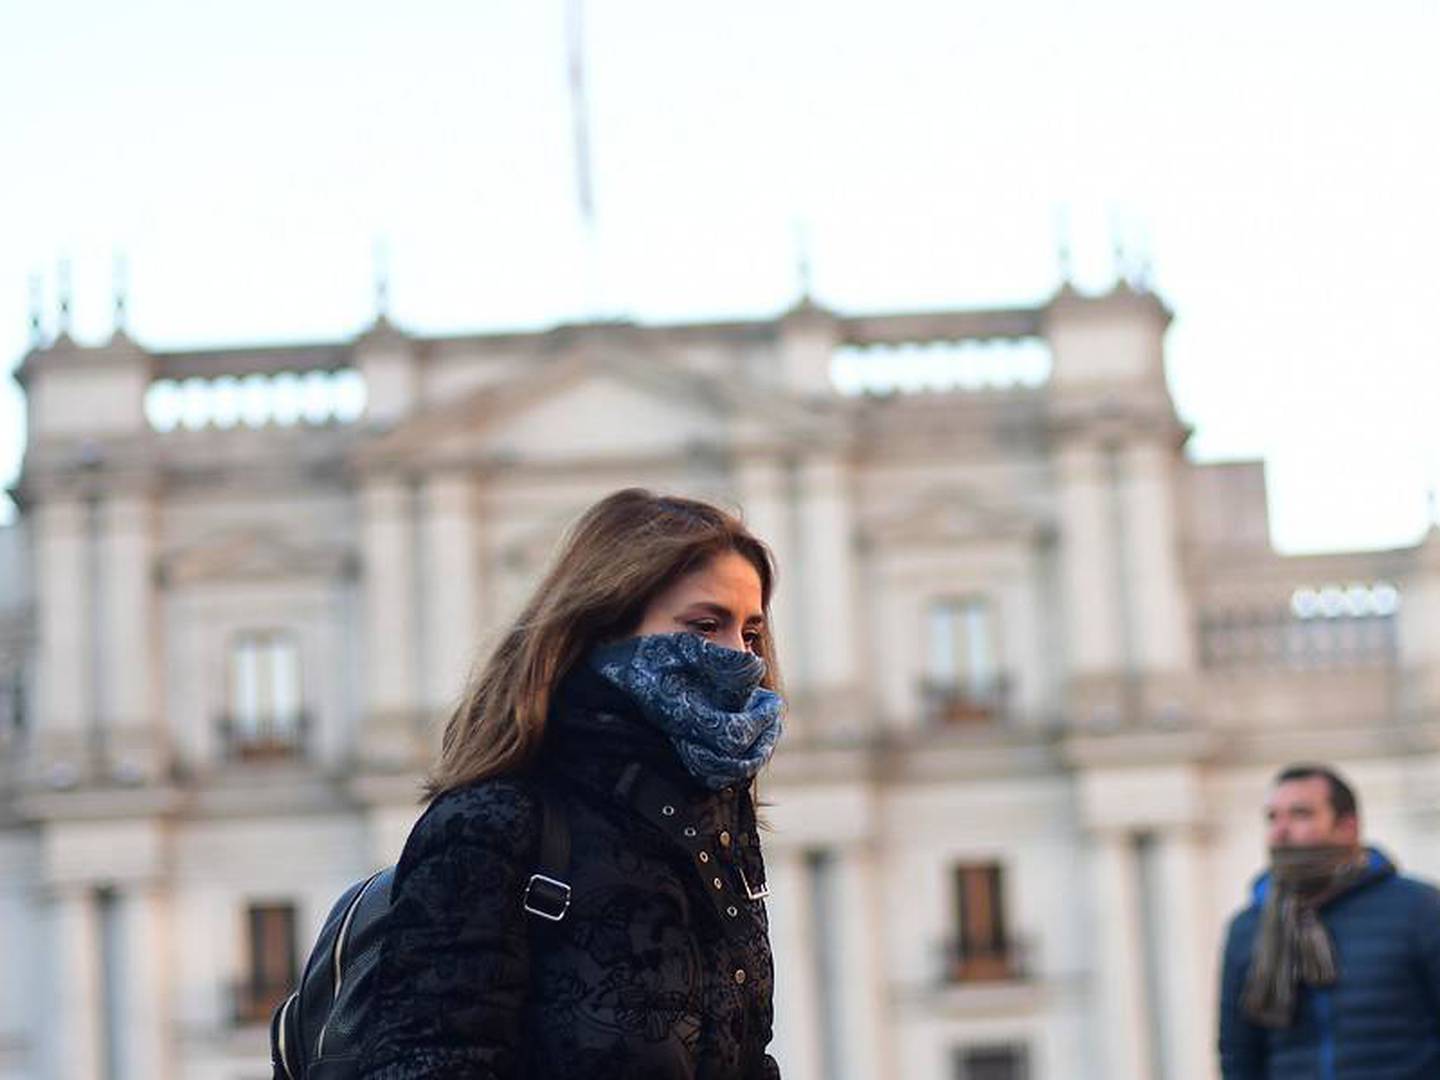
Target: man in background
1333,970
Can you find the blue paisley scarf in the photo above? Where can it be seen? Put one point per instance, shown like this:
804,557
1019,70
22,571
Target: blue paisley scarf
705,697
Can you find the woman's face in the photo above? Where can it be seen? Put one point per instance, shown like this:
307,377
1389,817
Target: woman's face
721,601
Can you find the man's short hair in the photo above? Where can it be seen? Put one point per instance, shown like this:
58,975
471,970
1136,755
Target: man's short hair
1342,795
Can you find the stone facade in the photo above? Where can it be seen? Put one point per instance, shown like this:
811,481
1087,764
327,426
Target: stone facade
1040,668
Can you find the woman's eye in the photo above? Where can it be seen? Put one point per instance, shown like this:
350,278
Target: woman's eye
705,626
752,639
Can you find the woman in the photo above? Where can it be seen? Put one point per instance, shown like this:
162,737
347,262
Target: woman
639,688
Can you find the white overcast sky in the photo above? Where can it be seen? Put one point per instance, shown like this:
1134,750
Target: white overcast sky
1280,161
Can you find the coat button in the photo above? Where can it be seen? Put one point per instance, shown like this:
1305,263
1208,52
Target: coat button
668,811
704,856
724,838
718,883
739,976
732,911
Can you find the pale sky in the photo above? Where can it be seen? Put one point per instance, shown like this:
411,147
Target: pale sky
1279,162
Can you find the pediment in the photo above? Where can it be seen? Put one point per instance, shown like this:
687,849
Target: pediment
952,516
251,555
588,408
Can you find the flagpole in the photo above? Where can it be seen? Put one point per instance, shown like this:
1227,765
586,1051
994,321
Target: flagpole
591,304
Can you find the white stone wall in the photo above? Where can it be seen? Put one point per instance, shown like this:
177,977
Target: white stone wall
397,552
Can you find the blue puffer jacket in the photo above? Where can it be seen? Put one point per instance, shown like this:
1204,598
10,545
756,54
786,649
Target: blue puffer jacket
1381,1021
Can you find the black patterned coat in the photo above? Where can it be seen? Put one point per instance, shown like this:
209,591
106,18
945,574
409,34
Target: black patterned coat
660,970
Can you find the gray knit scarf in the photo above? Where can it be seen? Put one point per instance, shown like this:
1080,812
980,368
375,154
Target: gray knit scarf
1293,947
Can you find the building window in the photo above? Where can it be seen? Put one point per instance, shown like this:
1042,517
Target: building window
1004,1062
962,678
270,962
982,949
264,718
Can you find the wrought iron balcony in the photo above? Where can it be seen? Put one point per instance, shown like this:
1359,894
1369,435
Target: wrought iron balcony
954,704
1007,962
264,738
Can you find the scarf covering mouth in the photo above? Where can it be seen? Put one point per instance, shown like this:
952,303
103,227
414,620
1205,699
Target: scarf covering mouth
1293,948
706,698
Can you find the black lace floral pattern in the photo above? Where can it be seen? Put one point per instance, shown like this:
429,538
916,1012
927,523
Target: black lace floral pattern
648,976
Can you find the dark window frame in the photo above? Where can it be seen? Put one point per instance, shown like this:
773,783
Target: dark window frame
271,959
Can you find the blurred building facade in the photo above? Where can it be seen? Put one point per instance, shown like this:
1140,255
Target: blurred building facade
1041,667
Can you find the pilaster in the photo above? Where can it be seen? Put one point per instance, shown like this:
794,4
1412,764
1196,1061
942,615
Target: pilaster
766,488
450,567
861,990
827,577
1118,957
390,734
1127,619
128,637
1420,632
792,937
74,1046
1186,951
143,1010
65,685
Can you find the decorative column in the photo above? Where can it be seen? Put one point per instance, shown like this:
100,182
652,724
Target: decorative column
862,987
828,599
1124,1035
143,1003
1186,955
390,643
1089,585
792,938
1159,611
1419,631
1117,438
128,635
450,565
65,695
74,1034
764,482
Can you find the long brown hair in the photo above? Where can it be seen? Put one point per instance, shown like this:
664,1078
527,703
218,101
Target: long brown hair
622,553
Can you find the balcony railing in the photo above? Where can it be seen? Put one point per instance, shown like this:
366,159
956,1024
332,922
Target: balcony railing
1009,961
951,704
252,1002
1277,640
266,738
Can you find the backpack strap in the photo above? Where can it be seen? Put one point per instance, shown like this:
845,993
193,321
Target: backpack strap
547,895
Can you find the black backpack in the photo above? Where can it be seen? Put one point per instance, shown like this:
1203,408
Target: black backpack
314,1033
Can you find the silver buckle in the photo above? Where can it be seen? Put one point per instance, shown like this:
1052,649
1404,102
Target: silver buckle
752,894
563,898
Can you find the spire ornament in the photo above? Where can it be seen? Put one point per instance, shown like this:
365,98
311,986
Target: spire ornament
122,295
1064,255
381,263
62,299
803,270
37,332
